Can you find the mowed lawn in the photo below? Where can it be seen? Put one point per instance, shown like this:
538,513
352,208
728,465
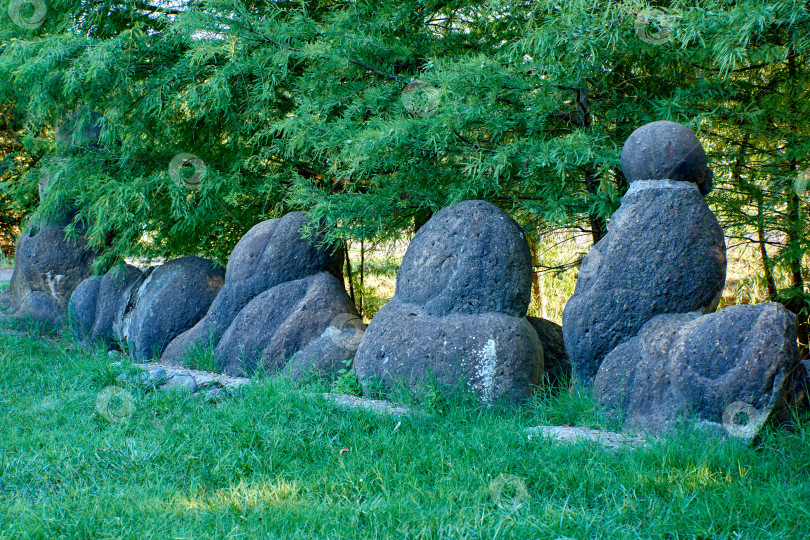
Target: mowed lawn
274,462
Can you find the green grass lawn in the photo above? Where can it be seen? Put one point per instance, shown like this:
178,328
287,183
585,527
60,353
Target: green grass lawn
272,463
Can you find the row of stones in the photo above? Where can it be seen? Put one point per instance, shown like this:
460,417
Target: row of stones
636,327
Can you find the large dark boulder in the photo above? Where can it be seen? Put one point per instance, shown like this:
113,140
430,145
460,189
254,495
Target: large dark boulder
497,355
280,322
458,315
82,306
556,364
664,253
96,301
166,301
691,367
47,262
472,258
271,253
111,298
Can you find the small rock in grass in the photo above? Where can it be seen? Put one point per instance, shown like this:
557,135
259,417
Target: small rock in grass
180,383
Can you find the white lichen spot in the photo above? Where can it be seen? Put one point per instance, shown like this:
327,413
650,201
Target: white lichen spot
486,370
52,283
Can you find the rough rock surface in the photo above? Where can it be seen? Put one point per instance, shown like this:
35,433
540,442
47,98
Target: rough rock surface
280,322
271,253
666,151
96,301
664,253
556,364
167,300
82,306
458,315
688,366
327,354
48,263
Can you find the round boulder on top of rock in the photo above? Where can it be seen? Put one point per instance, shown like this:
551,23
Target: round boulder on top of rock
666,151
271,253
688,367
458,317
167,300
664,253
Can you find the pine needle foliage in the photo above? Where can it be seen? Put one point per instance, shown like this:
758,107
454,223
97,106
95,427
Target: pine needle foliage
372,115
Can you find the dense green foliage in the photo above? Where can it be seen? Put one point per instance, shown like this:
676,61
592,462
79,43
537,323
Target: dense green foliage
274,463
372,115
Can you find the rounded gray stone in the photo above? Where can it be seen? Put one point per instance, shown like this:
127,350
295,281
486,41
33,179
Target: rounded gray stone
82,306
167,301
666,150
271,253
690,367
497,355
280,322
468,258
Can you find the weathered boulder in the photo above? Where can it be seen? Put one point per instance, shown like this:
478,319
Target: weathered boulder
556,364
39,309
330,352
666,151
664,253
96,301
473,258
166,301
271,253
458,315
497,355
280,322
82,306
48,263
691,367
111,298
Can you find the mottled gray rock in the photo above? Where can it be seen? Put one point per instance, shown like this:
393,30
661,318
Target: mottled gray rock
468,258
96,301
327,354
497,355
666,151
664,253
556,364
684,367
82,306
457,318
111,299
271,253
40,308
279,322
46,262
180,383
166,301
